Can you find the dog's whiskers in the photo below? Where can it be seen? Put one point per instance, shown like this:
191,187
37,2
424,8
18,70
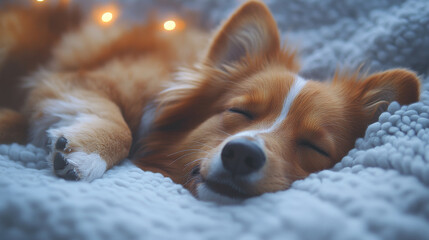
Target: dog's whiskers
203,144
222,131
190,179
196,160
186,150
177,159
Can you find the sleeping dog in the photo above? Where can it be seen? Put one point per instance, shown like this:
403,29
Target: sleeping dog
227,116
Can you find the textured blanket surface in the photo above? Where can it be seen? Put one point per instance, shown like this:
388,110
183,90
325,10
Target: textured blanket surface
380,190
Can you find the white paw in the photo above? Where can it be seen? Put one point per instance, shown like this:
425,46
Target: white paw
75,165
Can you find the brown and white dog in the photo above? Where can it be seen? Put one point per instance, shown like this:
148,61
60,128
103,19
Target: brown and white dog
236,121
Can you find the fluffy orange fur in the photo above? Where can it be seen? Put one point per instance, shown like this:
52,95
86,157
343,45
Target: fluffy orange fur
94,94
26,39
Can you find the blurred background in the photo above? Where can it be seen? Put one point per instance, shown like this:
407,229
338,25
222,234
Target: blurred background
139,10
329,34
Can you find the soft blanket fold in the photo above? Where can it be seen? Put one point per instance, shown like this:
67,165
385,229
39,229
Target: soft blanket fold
380,190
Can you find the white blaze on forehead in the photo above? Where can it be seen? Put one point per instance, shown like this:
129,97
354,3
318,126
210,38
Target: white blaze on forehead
295,89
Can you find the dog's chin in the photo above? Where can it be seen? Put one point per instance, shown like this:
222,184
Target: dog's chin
206,193
220,192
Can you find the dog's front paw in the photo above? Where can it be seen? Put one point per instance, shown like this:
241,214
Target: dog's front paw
72,164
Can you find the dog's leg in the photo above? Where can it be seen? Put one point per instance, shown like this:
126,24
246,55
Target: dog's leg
85,135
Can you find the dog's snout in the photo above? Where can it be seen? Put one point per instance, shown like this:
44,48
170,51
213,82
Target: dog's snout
242,156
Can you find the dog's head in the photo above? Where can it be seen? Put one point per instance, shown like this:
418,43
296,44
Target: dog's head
242,122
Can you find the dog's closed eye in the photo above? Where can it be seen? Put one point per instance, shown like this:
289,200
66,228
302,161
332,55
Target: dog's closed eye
243,112
314,147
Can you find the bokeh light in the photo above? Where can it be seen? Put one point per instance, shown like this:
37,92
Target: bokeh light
106,14
107,17
169,25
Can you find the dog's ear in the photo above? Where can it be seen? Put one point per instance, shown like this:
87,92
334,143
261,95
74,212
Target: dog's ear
380,89
250,31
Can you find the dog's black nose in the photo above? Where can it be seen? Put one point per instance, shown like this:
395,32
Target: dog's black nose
242,156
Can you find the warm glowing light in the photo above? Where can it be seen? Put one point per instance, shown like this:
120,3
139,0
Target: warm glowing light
169,25
107,17
40,0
